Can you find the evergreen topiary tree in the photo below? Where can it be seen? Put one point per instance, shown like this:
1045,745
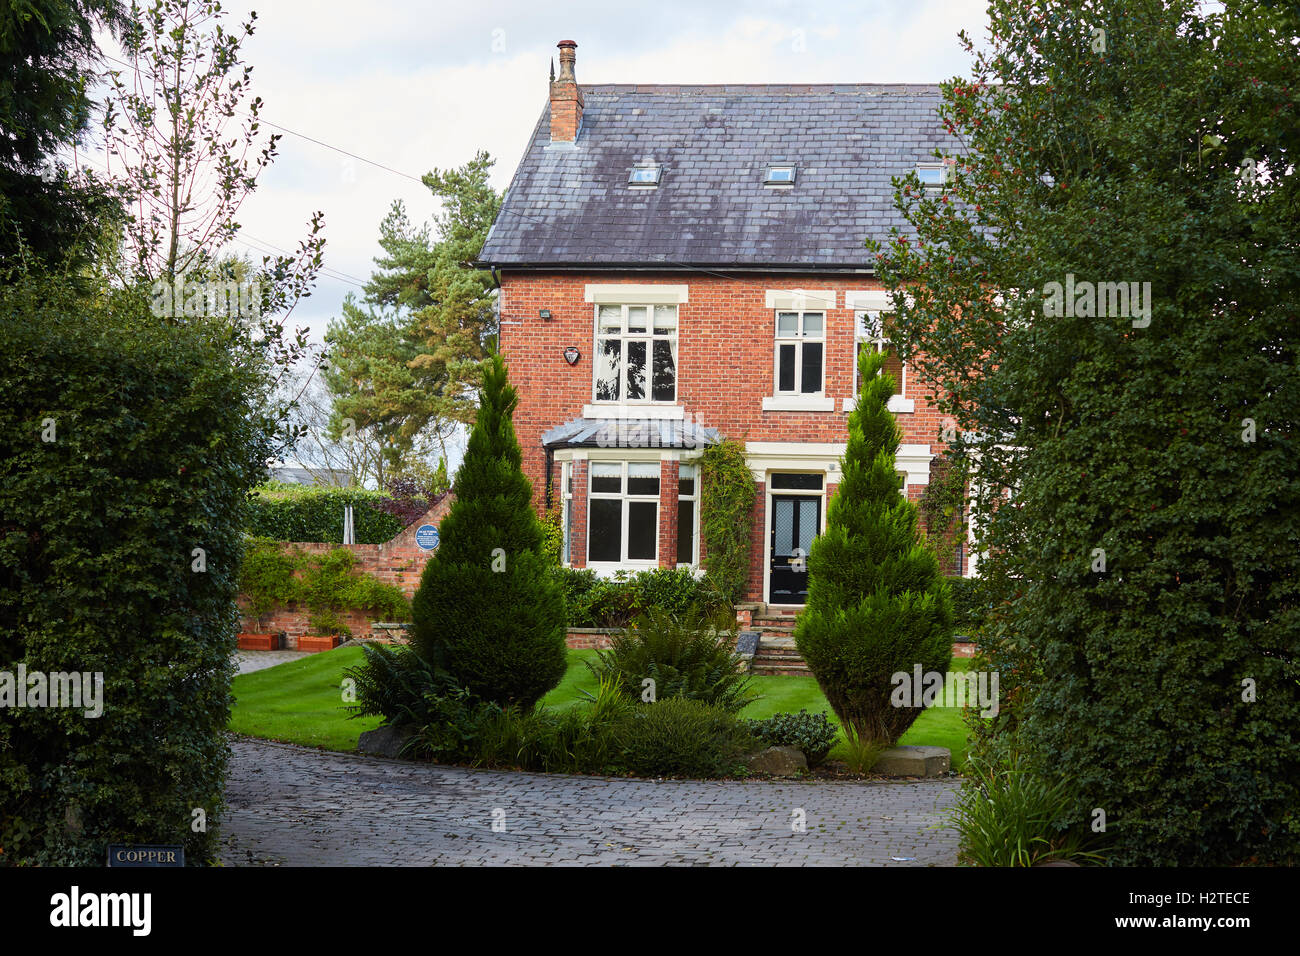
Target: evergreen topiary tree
877,602
488,609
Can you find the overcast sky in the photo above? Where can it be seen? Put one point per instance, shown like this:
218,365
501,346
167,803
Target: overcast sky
417,85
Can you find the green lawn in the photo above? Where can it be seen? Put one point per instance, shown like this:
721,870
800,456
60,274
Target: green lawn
301,702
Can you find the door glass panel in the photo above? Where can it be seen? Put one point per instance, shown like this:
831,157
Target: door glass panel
636,370
803,482
812,367
807,523
787,324
605,534
642,530
607,362
812,324
783,527
785,369
665,370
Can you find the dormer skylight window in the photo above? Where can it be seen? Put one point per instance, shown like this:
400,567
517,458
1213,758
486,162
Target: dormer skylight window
645,175
780,174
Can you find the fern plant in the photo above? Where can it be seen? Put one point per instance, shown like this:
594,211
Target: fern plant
686,656
397,684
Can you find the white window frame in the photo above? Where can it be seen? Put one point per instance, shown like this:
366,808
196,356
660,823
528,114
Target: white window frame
627,500
799,339
566,513
868,326
695,515
649,337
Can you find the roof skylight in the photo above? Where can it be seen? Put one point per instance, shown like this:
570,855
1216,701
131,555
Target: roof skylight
933,176
780,174
645,174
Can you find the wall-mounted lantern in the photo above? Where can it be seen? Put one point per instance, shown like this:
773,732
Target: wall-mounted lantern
571,355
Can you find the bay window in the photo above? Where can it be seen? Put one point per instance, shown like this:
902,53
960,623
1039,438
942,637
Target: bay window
688,515
566,512
623,512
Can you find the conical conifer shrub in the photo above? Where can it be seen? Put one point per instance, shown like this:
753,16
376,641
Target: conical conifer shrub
488,610
877,602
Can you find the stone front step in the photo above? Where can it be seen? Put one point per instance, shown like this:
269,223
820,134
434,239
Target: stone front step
778,654
764,669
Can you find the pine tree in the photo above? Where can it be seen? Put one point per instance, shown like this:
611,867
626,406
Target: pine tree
488,610
877,603
49,62
405,357
440,480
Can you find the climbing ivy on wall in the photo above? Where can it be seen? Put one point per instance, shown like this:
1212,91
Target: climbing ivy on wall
726,517
943,504
326,585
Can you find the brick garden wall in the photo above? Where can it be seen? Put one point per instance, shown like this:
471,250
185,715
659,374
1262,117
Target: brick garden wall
398,561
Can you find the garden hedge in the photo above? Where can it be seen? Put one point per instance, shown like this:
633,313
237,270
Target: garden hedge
288,512
125,445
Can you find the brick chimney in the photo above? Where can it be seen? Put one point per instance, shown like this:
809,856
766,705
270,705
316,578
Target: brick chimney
566,98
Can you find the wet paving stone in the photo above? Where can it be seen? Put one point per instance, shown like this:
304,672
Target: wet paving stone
294,806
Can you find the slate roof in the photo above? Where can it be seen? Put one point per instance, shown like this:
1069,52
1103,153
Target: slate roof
570,206
629,433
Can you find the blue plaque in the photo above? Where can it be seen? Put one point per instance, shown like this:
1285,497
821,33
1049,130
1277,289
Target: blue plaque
426,536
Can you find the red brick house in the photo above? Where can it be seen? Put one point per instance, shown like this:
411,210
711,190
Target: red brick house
682,263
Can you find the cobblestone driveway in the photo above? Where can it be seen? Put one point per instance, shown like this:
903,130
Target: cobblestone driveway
296,806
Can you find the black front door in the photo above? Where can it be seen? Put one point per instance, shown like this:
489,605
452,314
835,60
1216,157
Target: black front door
796,520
